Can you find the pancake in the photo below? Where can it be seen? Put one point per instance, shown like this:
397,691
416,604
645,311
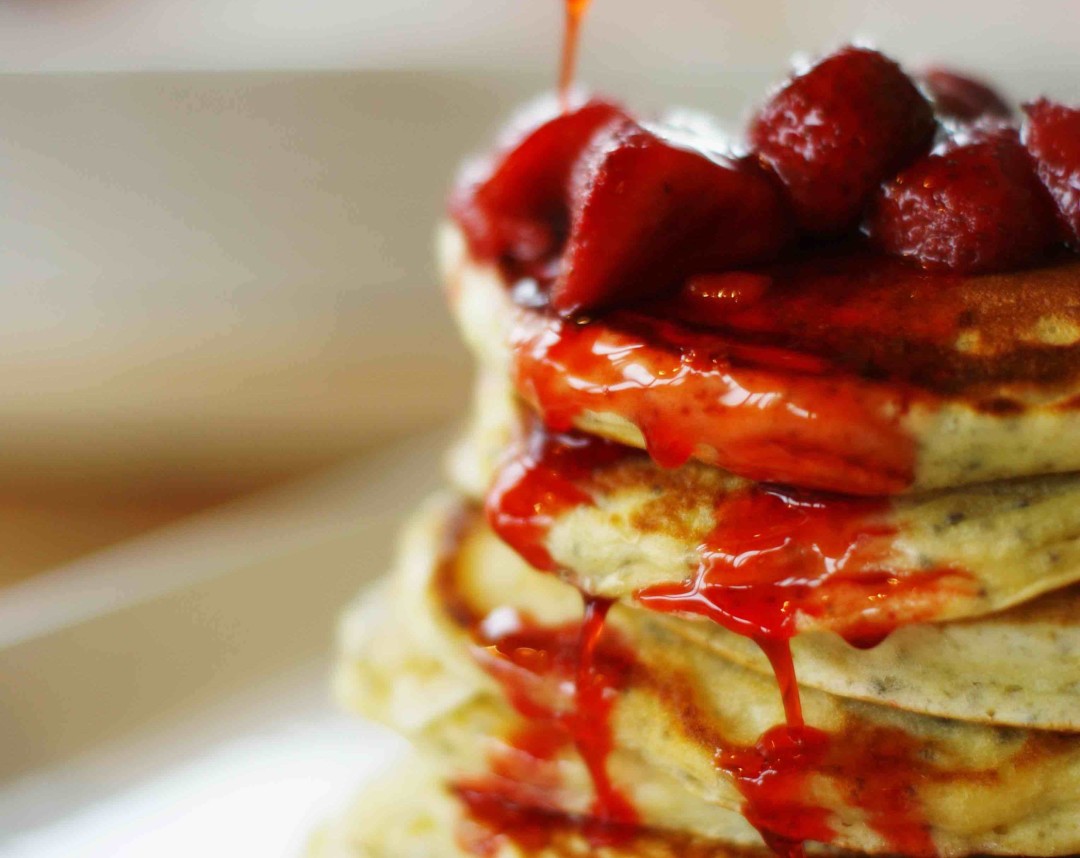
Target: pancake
819,386
411,814
1020,667
968,787
1017,664
629,525
401,666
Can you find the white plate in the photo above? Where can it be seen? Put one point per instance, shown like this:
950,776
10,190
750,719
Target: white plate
169,697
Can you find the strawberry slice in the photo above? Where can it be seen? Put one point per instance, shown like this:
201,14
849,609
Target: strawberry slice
1052,136
513,206
976,205
647,212
833,133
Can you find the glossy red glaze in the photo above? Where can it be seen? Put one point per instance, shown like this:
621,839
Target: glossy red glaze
875,768
763,412
772,557
538,480
563,681
773,776
775,556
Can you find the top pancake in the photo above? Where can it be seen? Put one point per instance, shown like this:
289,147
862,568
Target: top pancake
851,374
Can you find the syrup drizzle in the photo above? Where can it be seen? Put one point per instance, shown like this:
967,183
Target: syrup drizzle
587,669
772,556
539,480
775,555
563,681
575,15
491,820
763,412
874,768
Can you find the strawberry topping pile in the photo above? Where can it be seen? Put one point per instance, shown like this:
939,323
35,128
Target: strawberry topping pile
601,209
974,205
833,133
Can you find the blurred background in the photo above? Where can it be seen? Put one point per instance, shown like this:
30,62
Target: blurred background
216,214
218,305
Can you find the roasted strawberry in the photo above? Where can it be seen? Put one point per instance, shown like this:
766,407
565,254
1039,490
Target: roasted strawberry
647,212
514,205
975,206
957,96
1052,136
833,133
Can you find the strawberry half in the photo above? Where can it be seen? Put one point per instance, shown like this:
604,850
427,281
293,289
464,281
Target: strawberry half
833,133
1052,136
975,206
514,205
646,213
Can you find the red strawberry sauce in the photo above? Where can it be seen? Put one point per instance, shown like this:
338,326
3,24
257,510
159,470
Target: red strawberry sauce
563,681
772,557
761,411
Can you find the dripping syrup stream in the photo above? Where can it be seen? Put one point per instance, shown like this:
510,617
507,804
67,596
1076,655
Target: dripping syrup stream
593,699
575,14
778,651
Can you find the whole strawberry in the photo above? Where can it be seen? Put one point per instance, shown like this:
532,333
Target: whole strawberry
1052,136
833,133
975,206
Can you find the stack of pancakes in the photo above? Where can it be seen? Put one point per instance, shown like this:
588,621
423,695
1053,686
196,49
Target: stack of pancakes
594,654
